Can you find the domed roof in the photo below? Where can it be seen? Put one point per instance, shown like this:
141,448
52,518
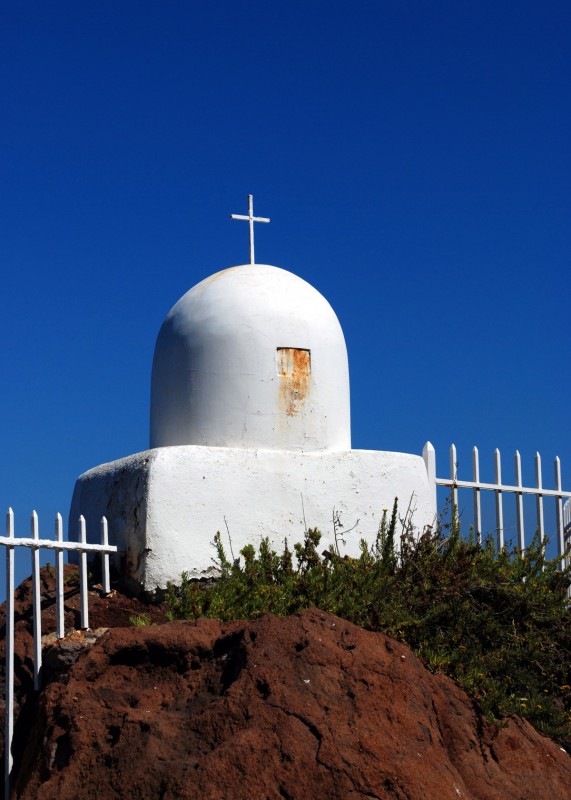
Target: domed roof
252,356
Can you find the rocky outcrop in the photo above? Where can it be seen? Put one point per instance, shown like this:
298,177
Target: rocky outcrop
303,707
115,610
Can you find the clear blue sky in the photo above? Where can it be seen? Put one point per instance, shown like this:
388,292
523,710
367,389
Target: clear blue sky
414,158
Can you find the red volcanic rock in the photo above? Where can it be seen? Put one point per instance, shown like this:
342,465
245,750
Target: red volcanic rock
104,612
307,708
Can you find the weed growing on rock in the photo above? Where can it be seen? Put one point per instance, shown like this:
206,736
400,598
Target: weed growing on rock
140,620
497,623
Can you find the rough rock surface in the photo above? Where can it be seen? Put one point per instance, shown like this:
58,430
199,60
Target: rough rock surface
303,707
104,612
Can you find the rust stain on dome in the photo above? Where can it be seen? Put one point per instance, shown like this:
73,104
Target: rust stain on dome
294,369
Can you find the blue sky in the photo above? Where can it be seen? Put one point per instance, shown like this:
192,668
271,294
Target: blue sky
414,159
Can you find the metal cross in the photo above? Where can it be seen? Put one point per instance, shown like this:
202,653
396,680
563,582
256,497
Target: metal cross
250,219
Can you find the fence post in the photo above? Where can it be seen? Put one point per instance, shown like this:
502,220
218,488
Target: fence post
83,575
59,580
519,502
9,695
499,506
559,513
429,456
105,579
539,498
454,477
477,503
567,530
36,603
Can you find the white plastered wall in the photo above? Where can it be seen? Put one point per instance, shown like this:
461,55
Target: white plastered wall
165,505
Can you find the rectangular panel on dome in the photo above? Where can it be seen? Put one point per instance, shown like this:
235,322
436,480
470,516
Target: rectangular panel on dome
293,362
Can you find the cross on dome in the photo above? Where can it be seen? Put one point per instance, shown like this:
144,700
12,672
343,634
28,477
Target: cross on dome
250,219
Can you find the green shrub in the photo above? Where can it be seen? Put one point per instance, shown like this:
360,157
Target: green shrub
497,623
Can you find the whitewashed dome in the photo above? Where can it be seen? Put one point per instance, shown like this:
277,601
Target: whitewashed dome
255,357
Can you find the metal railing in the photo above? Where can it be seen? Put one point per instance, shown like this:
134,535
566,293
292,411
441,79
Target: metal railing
454,483
10,542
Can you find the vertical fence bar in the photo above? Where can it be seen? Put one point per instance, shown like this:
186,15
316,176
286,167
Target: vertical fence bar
83,575
429,456
499,505
36,603
539,498
59,580
9,676
105,579
567,529
454,476
559,513
519,502
477,498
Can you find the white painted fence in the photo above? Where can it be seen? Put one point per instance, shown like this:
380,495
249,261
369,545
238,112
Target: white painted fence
562,515
36,544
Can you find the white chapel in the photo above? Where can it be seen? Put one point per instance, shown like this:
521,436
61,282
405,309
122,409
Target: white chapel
250,434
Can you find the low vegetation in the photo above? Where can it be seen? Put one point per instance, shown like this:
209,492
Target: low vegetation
497,623
140,620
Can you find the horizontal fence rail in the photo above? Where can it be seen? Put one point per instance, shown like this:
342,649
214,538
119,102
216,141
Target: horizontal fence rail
10,542
562,514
